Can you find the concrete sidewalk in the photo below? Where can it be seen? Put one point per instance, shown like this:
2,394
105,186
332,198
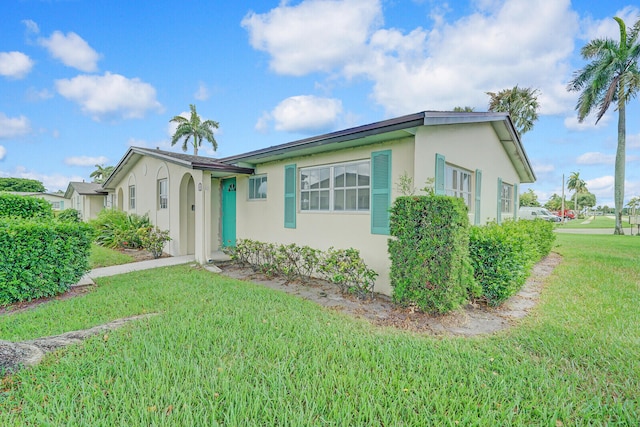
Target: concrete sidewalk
113,270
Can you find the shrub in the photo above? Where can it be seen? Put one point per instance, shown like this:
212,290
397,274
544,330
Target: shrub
39,259
69,215
502,255
117,229
430,266
153,239
12,205
344,267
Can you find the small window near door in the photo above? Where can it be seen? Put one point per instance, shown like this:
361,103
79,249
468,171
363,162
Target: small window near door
132,197
163,194
258,187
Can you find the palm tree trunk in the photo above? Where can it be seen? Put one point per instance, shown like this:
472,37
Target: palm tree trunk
618,185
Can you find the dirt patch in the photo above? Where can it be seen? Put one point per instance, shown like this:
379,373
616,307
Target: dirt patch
28,305
474,319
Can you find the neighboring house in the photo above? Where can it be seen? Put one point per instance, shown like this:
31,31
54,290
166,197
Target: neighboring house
58,200
330,190
88,198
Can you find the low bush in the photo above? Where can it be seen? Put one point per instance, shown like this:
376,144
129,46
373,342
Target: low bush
117,229
41,258
69,215
502,255
343,267
13,205
430,266
153,239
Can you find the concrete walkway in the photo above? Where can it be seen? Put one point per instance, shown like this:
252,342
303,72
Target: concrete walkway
113,270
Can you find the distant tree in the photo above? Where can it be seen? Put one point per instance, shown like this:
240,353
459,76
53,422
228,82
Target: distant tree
634,205
194,129
529,198
612,77
521,104
21,184
605,209
101,173
574,183
463,109
586,200
554,203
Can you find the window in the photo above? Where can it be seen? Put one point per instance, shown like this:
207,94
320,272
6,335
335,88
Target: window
55,206
506,198
340,187
458,184
132,197
163,194
258,187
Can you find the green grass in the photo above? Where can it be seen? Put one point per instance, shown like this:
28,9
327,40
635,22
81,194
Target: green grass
104,257
600,221
224,352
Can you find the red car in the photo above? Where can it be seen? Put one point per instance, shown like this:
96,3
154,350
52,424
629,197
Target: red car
569,214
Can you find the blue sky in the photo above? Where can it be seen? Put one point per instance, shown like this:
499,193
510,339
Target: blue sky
81,81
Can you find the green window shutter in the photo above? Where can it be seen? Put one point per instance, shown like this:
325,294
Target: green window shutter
476,213
440,175
516,205
380,191
499,212
61,205
290,196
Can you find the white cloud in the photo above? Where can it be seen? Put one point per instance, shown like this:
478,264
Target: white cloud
3,152
596,158
543,168
52,182
202,94
589,123
608,27
15,65
34,94
304,113
31,26
315,35
13,127
110,95
500,45
85,161
633,141
72,50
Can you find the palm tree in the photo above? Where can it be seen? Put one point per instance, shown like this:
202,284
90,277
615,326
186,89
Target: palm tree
194,129
101,173
578,185
612,77
521,104
465,109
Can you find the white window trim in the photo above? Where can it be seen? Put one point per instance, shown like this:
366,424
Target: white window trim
132,199
163,197
506,201
331,189
457,192
258,178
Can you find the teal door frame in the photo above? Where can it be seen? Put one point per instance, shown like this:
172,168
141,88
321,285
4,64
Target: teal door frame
228,212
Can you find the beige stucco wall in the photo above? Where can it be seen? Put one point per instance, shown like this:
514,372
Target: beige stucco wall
189,227
263,220
471,147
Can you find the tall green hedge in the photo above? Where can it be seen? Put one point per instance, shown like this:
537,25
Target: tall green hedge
12,205
41,258
430,266
502,255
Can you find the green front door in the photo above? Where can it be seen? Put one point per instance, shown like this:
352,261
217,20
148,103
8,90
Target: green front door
229,212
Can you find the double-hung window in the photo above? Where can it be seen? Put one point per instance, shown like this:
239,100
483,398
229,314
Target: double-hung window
339,187
458,184
506,200
163,194
132,197
258,187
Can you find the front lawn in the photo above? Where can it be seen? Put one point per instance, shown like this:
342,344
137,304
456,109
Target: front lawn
226,352
104,257
600,221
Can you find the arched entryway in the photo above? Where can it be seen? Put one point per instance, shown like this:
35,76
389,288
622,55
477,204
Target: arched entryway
120,205
187,215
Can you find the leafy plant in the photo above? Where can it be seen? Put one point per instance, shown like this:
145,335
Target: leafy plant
117,229
13,205
153,239
69,215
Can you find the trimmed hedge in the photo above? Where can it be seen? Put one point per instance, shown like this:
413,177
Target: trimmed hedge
13,205
41,258
430,266
502,255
